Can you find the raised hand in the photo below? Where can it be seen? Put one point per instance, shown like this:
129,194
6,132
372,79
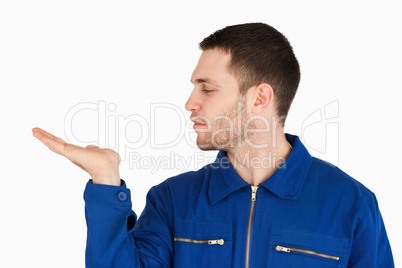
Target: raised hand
101,164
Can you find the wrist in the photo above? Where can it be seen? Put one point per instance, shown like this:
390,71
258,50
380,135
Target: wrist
107,178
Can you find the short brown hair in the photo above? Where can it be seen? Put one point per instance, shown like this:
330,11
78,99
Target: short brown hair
259,54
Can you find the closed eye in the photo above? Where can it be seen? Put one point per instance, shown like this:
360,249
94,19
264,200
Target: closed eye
206,91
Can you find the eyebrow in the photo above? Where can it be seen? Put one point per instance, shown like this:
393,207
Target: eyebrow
205,80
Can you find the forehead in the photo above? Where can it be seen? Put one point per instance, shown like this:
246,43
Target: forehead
212,65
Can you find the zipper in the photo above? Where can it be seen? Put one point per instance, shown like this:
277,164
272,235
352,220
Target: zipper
288,250
209,242
250,218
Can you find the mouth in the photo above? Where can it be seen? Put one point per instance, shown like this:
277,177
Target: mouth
197,124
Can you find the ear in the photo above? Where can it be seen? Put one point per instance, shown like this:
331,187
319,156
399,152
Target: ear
263,97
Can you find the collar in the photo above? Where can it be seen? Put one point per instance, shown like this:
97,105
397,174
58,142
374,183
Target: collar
286,182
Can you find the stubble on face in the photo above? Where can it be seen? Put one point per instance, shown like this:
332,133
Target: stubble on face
226,131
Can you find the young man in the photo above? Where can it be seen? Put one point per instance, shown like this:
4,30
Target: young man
264,202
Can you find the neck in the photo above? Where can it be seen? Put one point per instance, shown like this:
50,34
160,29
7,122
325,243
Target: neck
255,165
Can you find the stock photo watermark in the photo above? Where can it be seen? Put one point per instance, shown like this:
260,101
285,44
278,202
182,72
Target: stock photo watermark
319,133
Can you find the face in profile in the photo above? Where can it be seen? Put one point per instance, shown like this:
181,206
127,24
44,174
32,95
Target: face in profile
218,111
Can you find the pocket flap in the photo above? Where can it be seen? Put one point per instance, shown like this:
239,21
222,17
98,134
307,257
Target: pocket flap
205,243
291,246
203,230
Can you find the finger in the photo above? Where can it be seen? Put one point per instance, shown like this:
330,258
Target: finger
41,134
54,143
92,147
45,133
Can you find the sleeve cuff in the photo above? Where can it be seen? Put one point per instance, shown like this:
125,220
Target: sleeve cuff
107,194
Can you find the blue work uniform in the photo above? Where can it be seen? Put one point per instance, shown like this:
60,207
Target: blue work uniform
309,213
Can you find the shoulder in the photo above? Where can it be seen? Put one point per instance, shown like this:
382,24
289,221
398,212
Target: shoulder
331,178
335,188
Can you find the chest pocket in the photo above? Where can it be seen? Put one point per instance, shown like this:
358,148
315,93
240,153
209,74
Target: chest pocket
202,243
298,248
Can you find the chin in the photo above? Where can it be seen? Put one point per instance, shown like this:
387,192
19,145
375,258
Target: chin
205,146
208,146
222,143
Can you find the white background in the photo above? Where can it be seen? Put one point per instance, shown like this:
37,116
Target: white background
55,55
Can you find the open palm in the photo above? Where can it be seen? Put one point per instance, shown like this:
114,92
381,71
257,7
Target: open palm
101,164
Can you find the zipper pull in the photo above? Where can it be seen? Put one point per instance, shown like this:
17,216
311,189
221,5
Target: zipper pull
216,242
254,193
279,248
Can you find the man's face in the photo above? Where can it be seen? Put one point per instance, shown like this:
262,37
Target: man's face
217,110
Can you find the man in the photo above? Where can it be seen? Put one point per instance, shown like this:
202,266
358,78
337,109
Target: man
264,202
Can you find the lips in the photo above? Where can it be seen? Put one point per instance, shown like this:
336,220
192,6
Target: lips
197,123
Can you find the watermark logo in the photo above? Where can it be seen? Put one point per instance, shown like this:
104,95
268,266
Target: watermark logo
113,129
127,133
320,132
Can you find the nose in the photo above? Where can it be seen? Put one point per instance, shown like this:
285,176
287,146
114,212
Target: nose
193,104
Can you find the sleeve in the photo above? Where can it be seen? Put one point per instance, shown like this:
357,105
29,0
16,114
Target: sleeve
116,239
371,247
